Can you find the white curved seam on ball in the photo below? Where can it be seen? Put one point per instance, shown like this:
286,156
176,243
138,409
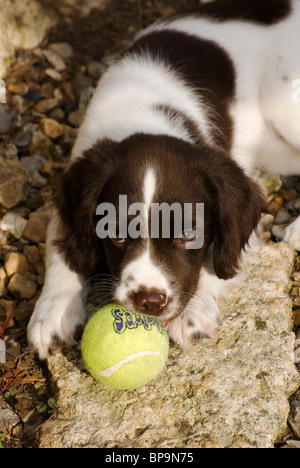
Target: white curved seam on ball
111,370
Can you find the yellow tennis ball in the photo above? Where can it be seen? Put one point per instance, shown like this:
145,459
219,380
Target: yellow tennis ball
124,350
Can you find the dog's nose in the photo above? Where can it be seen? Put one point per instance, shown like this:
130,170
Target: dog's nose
150,302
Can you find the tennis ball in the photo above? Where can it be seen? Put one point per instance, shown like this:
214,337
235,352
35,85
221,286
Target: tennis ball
124,350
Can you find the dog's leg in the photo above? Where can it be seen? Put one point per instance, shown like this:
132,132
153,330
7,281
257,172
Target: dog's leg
201,317
59,310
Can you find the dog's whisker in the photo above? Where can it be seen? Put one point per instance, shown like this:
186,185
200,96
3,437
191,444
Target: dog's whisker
99,290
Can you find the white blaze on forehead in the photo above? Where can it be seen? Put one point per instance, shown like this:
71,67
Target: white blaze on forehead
148,193
149,187
142,271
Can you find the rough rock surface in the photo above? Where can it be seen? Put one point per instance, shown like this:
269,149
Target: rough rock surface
229,392
24,24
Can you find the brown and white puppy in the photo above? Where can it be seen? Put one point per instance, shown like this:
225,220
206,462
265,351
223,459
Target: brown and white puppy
183,117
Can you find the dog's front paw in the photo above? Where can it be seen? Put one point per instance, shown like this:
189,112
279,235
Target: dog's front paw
54,324
195,323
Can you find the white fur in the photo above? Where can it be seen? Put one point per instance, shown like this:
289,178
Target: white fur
116,104
142,272
266,132
59,309
261,56
149,188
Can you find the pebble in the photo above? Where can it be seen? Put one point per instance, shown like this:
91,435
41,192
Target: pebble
297,318
296,276
20,103
2,92
294,417
289,194
67,140
6,120
46,105
15,262
22,139
271,183
2,273
36,227
267,219
33,163
54,74
278,231
23,286
51,128
75,118
55,60
292,444
14,224
95,69
3,238
8,420
275,204
14,183
32,253
23,312
283,216
18,88
57,114
34,96
66,90
293,205
81,83
47,90
84,99
38,181
63,49
266,236
10,151
3,282
40,144
290,182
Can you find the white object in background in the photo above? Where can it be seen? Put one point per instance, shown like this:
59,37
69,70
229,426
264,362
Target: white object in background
2,352
2,92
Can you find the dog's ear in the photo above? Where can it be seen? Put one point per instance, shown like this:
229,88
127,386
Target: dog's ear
76,200
237,207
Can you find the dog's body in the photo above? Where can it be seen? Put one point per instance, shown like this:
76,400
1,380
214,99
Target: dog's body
187,113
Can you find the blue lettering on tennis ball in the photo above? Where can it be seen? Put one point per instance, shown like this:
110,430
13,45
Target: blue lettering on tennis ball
126,320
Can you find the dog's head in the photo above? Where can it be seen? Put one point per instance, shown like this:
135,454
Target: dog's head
154,273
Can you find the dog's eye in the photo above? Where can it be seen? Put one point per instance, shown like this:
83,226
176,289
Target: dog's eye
117,239
186,237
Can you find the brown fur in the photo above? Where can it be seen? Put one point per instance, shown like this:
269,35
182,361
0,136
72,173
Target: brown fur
264,12
233,204
202,65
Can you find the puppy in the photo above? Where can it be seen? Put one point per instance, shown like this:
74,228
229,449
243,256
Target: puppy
181,119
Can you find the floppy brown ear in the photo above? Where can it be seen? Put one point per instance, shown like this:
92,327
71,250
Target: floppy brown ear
236,211
76,200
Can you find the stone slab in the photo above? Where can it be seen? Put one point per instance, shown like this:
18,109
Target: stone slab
228,392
